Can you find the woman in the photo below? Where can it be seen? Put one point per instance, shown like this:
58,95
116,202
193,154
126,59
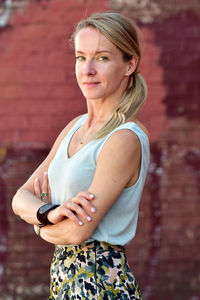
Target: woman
102,156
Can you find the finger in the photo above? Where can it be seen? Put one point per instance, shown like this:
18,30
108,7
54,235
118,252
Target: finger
45,183
69,214
86,194
49,193
79,210
87,205
37,188
44,194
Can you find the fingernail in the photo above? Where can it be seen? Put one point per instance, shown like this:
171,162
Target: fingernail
89,218
93,209
36,179
80,223
91,196
45,173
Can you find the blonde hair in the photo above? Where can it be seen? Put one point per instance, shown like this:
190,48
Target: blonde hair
124,35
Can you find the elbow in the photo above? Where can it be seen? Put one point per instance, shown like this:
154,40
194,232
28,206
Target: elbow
81,238
79,241
73,240
16,204
77,238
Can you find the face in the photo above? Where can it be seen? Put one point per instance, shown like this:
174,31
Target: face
100,70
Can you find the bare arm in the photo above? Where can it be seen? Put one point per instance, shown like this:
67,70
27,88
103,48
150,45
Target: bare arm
114,172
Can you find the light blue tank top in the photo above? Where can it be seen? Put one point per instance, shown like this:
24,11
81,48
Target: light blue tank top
68,176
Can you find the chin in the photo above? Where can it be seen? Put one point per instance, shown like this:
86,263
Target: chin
93,96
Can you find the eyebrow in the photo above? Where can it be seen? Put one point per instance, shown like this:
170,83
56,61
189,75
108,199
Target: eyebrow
100,51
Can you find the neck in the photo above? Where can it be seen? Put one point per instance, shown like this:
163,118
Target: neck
95,121
99,112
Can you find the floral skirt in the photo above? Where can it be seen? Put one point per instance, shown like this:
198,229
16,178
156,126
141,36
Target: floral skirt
91,271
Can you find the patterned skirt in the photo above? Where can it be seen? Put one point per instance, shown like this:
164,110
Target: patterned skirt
91,271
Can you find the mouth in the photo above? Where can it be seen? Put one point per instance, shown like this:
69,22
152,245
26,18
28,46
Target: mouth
90,84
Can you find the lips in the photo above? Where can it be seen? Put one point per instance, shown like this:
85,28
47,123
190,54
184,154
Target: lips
90,84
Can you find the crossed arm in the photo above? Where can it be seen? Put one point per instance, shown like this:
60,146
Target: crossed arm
118,167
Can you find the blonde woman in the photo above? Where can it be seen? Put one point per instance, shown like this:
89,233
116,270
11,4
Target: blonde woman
96,169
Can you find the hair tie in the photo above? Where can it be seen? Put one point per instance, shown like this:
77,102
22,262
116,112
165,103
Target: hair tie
137,72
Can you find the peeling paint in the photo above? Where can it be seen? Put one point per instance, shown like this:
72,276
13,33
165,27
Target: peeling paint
192,159
149,11
154,182
4,17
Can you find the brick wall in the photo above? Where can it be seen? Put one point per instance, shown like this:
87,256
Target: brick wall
37,71
24,257
39,95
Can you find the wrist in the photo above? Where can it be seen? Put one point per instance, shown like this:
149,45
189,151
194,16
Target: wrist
42,213
38,229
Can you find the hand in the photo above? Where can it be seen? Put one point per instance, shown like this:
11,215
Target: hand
77,209
43,188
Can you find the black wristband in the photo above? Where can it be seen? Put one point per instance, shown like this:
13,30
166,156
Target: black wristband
43,212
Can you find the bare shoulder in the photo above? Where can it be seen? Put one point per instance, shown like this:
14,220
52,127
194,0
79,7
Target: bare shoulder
123,137
123,144
143,128
66,130
68,127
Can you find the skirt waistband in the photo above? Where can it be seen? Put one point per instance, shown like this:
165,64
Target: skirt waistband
88,246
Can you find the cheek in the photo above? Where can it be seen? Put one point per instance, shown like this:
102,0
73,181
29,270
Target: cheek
116,74
115,70
77,72
107,72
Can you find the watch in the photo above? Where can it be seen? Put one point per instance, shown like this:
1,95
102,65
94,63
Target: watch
43,211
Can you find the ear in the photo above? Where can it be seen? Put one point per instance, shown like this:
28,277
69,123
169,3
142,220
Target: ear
131,65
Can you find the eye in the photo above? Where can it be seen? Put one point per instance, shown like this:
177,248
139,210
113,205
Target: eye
81,58
103,58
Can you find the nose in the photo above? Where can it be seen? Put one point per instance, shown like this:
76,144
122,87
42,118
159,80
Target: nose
89,68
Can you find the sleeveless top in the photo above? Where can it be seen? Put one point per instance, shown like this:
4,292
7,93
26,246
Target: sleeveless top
68,176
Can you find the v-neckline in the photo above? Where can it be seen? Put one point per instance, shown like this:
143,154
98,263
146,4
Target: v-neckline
73,132
79,124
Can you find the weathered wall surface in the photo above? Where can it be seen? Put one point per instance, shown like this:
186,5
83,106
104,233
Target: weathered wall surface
39,95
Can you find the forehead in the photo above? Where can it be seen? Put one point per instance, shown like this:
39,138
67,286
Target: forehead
89,40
